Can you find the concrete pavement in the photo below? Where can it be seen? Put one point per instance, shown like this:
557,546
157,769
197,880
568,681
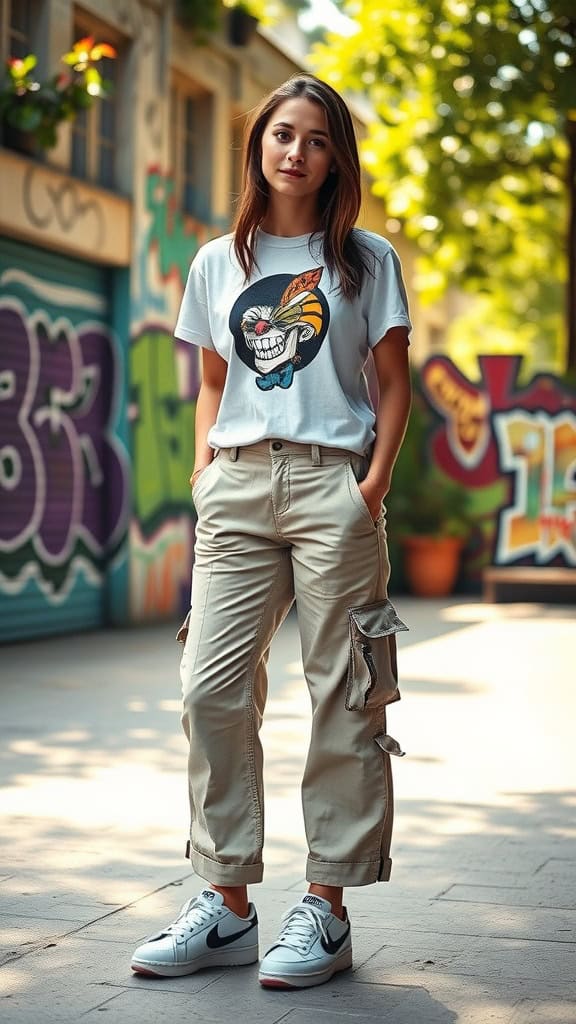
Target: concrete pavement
477,924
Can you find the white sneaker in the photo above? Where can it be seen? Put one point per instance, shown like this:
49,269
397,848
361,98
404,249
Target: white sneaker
205,934
312,946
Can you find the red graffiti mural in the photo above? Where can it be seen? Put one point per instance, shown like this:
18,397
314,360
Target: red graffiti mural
515,447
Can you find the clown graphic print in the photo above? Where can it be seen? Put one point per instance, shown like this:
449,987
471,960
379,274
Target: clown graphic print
278,325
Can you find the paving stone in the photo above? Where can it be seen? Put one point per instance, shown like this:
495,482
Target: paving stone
499,959
64,908
543,1011
491,920
341,996
563,868
405,1000
396,917
511,895
143,917
406,883
308,1016
151,1007
468,856
469,1000
69,980
20,935
81,874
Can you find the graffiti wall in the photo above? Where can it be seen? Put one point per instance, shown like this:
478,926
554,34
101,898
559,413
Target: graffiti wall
164,381
515,448
63,467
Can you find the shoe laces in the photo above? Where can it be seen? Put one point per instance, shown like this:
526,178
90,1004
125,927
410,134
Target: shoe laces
194,913
299,927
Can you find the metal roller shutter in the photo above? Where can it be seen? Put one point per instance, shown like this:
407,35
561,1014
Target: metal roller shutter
58,385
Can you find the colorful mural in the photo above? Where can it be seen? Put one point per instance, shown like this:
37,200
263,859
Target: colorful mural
63,470
64,478
515,448
163,388
164,382
540,450
165,252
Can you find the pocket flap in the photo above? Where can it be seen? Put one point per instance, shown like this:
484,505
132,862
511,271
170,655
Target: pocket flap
378,619
183,631
389,745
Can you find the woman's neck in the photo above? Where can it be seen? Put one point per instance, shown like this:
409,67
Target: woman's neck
289,220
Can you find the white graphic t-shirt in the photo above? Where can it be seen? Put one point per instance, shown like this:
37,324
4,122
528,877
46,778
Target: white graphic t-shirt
295,347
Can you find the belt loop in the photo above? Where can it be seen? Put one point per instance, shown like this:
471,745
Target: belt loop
316,460
234,453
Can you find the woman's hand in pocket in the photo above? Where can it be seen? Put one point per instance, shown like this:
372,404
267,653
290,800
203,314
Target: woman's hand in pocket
196,473
373,496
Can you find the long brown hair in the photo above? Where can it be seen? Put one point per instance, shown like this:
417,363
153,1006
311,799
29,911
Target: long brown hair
338,199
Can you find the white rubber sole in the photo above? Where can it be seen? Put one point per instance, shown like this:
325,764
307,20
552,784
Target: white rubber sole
284,979
220,958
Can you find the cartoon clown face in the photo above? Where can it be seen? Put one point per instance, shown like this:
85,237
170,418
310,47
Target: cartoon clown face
272,341
274,333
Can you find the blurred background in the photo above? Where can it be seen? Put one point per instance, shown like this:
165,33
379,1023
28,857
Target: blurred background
121,149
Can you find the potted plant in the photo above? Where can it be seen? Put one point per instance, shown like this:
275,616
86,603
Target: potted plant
428,517
242,24
30,111
201,16
432,523
237,18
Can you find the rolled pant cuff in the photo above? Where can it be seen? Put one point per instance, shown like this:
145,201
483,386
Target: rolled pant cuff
364,873
225,874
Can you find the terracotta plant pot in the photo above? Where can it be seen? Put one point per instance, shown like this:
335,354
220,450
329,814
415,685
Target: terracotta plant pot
431,564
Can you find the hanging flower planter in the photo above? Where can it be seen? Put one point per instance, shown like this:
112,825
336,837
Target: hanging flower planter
234,18
31,111
19,141
241,25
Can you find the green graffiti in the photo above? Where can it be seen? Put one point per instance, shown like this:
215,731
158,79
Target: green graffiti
163,432
174,244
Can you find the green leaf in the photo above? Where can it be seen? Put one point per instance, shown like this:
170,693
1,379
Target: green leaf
25,117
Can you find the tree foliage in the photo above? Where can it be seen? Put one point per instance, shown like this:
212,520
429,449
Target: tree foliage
469,147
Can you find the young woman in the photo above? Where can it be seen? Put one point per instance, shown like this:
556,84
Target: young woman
292,465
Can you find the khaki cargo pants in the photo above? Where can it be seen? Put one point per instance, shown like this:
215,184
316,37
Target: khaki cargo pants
279,521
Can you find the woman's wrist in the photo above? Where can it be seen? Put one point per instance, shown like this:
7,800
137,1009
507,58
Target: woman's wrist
377,484
198,469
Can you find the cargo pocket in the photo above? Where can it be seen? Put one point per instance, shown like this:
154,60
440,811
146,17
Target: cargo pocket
372,670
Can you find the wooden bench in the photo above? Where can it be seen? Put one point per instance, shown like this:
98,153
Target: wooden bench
552,583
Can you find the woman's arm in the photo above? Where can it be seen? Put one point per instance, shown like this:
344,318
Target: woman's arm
393,373
214,370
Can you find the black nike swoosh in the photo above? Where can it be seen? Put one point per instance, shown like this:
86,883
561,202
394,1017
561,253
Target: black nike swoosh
214,940
333,945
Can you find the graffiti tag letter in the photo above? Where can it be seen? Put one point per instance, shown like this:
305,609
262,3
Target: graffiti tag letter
539,449
465,408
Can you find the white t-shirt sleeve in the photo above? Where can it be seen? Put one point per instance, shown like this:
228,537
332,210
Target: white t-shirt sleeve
193,322
386,301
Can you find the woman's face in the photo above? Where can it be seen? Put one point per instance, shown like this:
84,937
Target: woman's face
297,153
